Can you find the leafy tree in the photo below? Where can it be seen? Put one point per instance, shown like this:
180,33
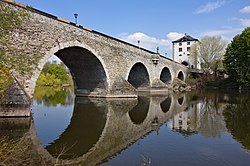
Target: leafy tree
58,70
209,51
54,74
46,79
237,58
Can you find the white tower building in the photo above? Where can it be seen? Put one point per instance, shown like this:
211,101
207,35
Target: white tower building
182,52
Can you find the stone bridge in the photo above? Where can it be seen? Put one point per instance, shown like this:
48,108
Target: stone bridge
101,66
110,125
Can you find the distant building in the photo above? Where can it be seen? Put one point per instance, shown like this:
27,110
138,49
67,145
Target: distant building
182,52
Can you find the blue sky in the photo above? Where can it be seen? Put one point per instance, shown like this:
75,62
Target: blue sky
154,23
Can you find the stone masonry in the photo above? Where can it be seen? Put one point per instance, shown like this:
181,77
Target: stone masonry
43,35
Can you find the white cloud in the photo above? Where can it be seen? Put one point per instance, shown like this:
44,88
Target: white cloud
226,33
210,6
174,35
245,22
246,9
151,43
242,21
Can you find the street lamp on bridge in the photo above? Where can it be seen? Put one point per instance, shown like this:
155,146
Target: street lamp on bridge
76,15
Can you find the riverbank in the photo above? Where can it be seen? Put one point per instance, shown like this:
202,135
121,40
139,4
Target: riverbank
220,84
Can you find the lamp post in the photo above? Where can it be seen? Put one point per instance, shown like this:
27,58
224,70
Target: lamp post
76,15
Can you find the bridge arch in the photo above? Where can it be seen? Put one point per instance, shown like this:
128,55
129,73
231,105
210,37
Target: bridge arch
140,112
185,63
139,76
181,75
79,58
166,75
92,120
166,104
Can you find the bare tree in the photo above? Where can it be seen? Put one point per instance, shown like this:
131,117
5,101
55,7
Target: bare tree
209,52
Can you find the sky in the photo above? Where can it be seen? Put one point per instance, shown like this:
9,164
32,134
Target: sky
155,23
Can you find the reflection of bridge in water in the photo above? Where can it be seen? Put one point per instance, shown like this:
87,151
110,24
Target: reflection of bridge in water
100,128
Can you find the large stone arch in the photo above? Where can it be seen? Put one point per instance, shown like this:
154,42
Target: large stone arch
166,75
83,48
138,76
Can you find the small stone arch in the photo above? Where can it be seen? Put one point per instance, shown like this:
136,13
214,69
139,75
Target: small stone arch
139,76
166,76
180,75
166,104
185,63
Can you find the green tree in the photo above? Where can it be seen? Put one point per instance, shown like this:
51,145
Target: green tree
54,74
58,70
237,58
46,79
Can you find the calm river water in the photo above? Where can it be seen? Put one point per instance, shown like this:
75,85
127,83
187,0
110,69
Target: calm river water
195,128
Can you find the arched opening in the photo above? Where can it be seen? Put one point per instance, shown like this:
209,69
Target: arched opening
86,69
139,113
166,75
138,76
185,63
83,132
165,105
180,100
180,75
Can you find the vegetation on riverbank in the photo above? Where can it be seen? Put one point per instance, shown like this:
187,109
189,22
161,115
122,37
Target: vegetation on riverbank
54,74
236,64
18,152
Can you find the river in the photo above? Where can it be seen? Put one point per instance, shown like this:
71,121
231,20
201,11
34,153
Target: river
194,128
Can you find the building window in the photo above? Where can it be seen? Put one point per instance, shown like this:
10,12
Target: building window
180,44
180,49
188,54
188,43
180,55
188,48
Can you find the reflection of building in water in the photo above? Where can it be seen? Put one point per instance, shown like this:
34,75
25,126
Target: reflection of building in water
187,121
181,121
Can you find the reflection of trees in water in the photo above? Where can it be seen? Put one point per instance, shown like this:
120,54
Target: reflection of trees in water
51,96
211,119
237,118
